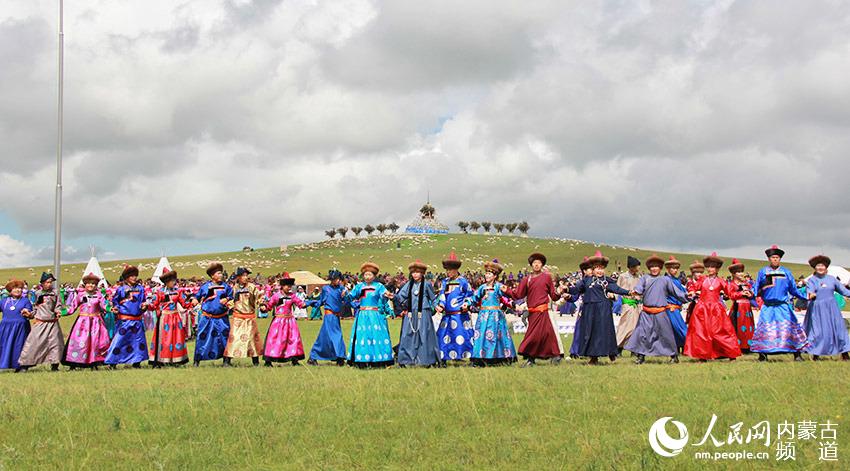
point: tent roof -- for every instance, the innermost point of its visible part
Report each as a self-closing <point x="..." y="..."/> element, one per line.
<point x="307" y="278"/>
<point x="163" y="262"/>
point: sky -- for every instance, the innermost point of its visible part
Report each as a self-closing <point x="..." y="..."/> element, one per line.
<point x="204" y="126"/>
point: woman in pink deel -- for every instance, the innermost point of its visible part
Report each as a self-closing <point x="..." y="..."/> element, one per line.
<point x="88" y="341"/>
<point x="283" y="340"/>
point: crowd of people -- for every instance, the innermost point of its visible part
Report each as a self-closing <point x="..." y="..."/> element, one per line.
<point x="445" y="317"/>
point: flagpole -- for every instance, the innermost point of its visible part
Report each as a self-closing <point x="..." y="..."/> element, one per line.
<point x="57" y="237"/>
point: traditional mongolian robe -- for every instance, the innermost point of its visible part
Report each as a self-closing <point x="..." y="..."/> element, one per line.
<point x="674" y="311"/>
<point x="575" y="346"/>
<point x="88" y="342"/>
<point x="369" y="344"/>
<point x="455" y="332"/>
<point x="168" y="344"/>
<point x="630" y="312"/>
<point x="492" y="342"/>
<point x="654" y="335"/>
<point x="14" y="329"/>
<point x="825" y="328"/>
<point x="244" y="339"/>
<point x="692" y="286"/>
<point x="129" y="344"/>
<point x="418" y="342"/>
<point x="711" y="334"/>
<point x="329" y="345"/>
<point x="45" y="341"/>
<point x="741" y="314"/>
<point x="541" y="338"/>
<point x="597" y="337"/>
<point x="213" y="325"/>
<point x="778" y="330"/>
<point x="283" y="339"/>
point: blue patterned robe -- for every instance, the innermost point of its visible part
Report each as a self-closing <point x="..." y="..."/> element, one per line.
<point x="455" y="332"/>
<point x="492" y="341"/>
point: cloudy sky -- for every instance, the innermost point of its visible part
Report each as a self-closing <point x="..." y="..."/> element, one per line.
<point x="199" y="126"/>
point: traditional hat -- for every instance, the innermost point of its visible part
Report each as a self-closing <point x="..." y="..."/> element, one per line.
<point x="334" y="274"/>
<point x="597" y="259"/>
<point x="91" y="278"/>
<point x="632" y="262"/>
<point x="451" y="263"/>
<point x="493" y="267"/>
<point x="697" y="266"/>
<point x="584" y="265"/>
<point x="417" y="265"/>
<point x="370" y="266"/>
<point x="12" y="284"/>
<point x="536" y="256"/>
<point x="286" y="280"/>
<point x="713" y="260"/>
<point x="774" y="250"/>
<point x="241" y="271"/>
<point x="47" y="276"/>
<point x="167" y="275"/>
<point x="129" y="270"/>
<point x="214" y="267"/>
<point x="736" y="266"/>
<point x="654" y="261"/>
<point x="819" y="259"/>
<point x="672" y="263"/>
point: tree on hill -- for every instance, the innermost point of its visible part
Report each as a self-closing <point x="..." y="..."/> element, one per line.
<point x="342" y="231"/>
<point x="523" y="227"/>
<point x="474" y="225"/>
<point x="463" y="225"/>
<point x="357" y="230"/>
<point x="486" y="225"/>
<point x="511" y="227"/>
<point x="499" y="227"/>
<point x="369" y="229"/>
<point x="381" y="228"/>
<point x="331" y="233"/>
<point x="393" y="227"/>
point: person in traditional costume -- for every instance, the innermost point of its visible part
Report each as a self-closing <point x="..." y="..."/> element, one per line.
<point x="541" y="338"/>
<point x="129" y="345"/>
<point x="329" y="344"/>
<point x="654" y="335"/>
<point x="214" y="296"/>
<point x="492" y="343"/>
<point x="418" y="342"/>
<point x="455" y="332"/>
<point x="88" y="342"/>
<point x="369" y="344"/>
<point x="168" y="345"/>
<point x="586" y="270"/>
<point x="313" y="303"/>
<point x="741" y="312"/>
<point x="283" y="339"/>
<point x="597" y="337"/>
<point x="45" y="341"/>
<point x="711" y="334"/>
<point x="15" y="326"/>
<point x="244" y="340"/>
<point x="630" y="312"/>
<point x="674" y="305"/>
<point x="825" y="328"/>
<point x="777" y="330"/>
<point x="692" y="286"/>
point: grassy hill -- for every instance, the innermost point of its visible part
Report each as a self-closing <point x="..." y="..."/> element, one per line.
<point x="391" y="252"/>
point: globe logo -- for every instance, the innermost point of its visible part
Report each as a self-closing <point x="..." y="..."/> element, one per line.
<point x="662" y="443"/>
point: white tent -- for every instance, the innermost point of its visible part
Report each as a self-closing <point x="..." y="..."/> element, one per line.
<point x="839" y="272"/>
<point x="160" y="267"/>
<point x="93" y="267"/>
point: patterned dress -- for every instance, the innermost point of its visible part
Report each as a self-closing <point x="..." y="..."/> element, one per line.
<point x="778" y="330"/>
<point x="244" y="339"/>
<point x="88" y="342"/>
<point x="129" y="344"/>
<point x="213" y="325"/>
<point x="741" y="314"/>
<point x="369" y="344"/>
<point x="455" y="332"/>
<point x="492" y="341"/>
<point x="283" y="340"/>
<point x="45" y="342"/>
<point x="168" y="345"/>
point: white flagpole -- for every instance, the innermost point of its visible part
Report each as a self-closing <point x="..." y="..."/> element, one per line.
<point x="57" y="238"/>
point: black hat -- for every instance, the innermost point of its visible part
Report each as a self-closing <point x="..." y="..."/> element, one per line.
<point x="241" y="271"/>
<point x="129" y="270"/>
<point x="47" y="276"/>
<point x="632" y="262"/>
<point x="452" y="262"/>
<point x="334" y="274"/>
<point x="774" y="250"/>
<point x="214" y="267"/>
<point x="167" y="275"/>
<point x="819" y="259"/>
<point x="537" y="256"/>
<point x="286" y="280"/>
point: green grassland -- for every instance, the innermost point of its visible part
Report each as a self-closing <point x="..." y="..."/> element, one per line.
<point x="392" y="253"/>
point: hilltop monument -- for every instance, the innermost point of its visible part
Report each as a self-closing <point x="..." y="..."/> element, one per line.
<point x="427" y="222"/>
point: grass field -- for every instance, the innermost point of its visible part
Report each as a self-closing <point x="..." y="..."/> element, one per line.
<point x="566" y="417"/>
<point x="392" y="253"/>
